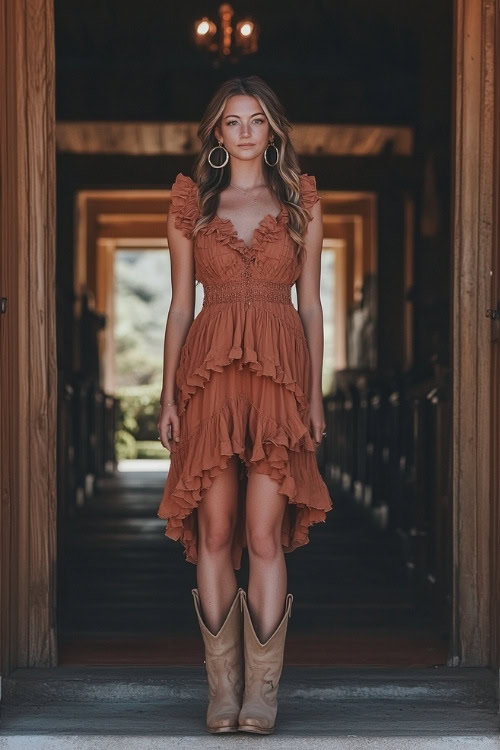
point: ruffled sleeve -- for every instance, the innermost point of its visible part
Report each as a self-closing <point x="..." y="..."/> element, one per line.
<point x="184" y="204"/>
<point x="308" y="191"/>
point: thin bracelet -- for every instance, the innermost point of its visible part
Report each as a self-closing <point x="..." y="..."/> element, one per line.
<point x="168" y="403"/>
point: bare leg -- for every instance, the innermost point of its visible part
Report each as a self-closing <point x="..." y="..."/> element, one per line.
<point x="267" y="585"/>
<point x="216" y="579"/>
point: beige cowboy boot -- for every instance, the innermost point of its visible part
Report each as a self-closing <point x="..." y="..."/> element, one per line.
<point x="263" y="666"/>
<point x="225" y="667"/>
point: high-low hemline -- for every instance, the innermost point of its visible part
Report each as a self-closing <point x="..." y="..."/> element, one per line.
<point x="198" y="460"/>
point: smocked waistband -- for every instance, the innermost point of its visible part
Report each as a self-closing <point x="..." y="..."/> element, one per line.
<point x="247" y="291"/>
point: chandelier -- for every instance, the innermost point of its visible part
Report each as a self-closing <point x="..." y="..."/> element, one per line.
<point x="226" y="42"/>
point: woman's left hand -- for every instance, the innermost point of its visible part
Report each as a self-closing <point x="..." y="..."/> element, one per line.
<point x="317" y="421"/>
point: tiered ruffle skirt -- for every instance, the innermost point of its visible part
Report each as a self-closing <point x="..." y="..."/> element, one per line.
<point x="242" y="380"/>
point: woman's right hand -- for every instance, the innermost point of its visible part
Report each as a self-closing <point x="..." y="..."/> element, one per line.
<point x="168" y="426"/>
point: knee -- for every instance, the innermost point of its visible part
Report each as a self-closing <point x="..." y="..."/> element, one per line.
<point x="217" y="537"/>
<point x="263" y="544"/>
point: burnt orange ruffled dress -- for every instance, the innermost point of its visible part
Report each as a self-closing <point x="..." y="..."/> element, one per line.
<point x="243" y="378"/>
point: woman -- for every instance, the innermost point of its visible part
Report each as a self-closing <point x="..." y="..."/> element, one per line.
<point x="242" y="411"/>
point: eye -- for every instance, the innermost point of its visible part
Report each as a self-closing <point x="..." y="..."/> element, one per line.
<point x="257" y="119"/>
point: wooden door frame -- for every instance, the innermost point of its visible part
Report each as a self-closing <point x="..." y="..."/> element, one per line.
<point x="28" y="377"/>
<point x="495" y="376"/>
<point x="475" y="507"/>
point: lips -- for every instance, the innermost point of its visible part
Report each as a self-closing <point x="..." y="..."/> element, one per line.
<point x="245" y="145"/>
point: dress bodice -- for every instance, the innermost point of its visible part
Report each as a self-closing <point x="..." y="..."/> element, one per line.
<point x="221" y="256"/>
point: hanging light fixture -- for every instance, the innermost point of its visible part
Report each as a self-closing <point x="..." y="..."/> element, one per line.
<point x="224" y="41"/>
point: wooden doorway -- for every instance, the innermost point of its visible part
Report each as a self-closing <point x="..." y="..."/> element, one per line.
<point x="28" y="377"/>
<point x="475" y="222"/>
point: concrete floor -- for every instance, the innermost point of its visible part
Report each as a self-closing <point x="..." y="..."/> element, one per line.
<point x="318" y="708"/>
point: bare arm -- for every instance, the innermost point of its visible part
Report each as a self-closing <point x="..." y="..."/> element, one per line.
<point x="179" y="320"/>
<point x="311" y="314"/>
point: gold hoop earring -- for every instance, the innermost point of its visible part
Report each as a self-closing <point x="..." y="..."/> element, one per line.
<point x="277" y="154"/>
<point x="218" y="166"/>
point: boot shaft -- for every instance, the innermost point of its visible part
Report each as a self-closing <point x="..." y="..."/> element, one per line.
<point x="264" y="660"/>
<point x="224" y="663"/>
<point x="230" y="632"/>
<point x="263" y="667"/>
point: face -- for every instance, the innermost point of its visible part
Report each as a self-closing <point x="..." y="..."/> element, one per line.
<point x="244" y="122"/>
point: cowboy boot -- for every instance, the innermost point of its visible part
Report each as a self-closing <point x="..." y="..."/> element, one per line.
<point x="224" y="666"/>
<point x="263" y="666"/>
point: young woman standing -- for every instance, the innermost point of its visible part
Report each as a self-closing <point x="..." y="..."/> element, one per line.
<point x="242" y="398"/>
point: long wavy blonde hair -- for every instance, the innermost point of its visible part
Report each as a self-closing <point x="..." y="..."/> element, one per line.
<point x="283" y="178"/>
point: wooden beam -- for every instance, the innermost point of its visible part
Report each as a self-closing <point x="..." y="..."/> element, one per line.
<point x="180" y="139"/>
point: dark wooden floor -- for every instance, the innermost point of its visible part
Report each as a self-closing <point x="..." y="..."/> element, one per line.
<point x="124" y="594"/>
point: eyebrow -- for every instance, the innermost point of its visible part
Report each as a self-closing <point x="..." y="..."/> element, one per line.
<point x="255" y="113"/>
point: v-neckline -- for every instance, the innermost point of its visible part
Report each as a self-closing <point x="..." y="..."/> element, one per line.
<point x="252" y="241"/>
